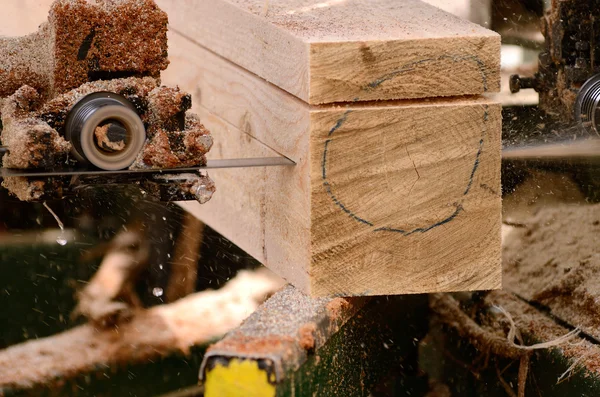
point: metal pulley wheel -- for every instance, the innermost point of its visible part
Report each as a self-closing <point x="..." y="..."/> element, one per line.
<point x="587" y="105"/>
<point x="105" y="131"/>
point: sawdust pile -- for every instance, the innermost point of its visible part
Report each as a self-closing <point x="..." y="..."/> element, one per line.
<point x="33" y="129"/>
<point x="86" y="40"/>
<point x="554" y="260"/>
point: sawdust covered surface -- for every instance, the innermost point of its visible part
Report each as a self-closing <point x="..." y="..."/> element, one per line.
<point x="256" y="346"/>
<point x="358" y="20"/>
<point x="554" y="260"/>
<point x="307" y="336"/>
<point x="116" y="36"/>
<point x="25" y="60"/>
<point x="32" y="142"/>
<point x="337" y="307"/>
<point x="290" y="322"/>
<point x="136" y="90"/>
<point x="83" y="41"/>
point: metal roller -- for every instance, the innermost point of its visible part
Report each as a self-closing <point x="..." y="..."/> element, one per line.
<point x="587" y="109"/>
<point x="105" y="131"/>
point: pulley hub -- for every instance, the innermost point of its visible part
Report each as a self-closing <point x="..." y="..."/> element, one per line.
<point x="105" y="131"/>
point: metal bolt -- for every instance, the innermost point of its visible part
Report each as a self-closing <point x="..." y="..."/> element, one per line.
<point x="203" y="195"/>
<point x="545" y="59"/>
<point x="516" y="83"/>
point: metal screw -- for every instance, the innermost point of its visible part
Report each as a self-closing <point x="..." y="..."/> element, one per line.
<point x="516" y="83"/>
<point x="203" y="195"/>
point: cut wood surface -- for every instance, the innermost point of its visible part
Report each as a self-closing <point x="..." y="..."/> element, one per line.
<point x="386" y="197"/>
<point x="416" y="211"/>
<point x="346" y="50"/>
<point x="158" y="332"/>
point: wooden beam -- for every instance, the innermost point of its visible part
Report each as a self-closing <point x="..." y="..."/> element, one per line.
<point x="386" y="197"/>
<point x="346" y="50"/>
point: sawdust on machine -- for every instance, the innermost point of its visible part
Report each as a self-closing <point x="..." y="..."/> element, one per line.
<point x="306" y="334"/>
<point x="290" y="326"/>
<point x="97" y="48"/>
<point x="32" y="129"/>
<point x="103" y="139"/>
<point x="83" y="39"/>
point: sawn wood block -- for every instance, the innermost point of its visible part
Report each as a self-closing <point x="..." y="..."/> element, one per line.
<point x="387" y="197"/>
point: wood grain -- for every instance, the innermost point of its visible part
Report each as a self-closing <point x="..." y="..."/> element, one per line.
<point x="255" y="208"/>
<point x="386" y="198"/>
<point x="342" y="51"/>
<point x="406" y="198"/>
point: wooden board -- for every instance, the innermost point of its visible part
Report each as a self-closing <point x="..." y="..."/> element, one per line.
<point x="386" y="197"/>
<point x="346" y="50"/>
<point x="252" y="202"/>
